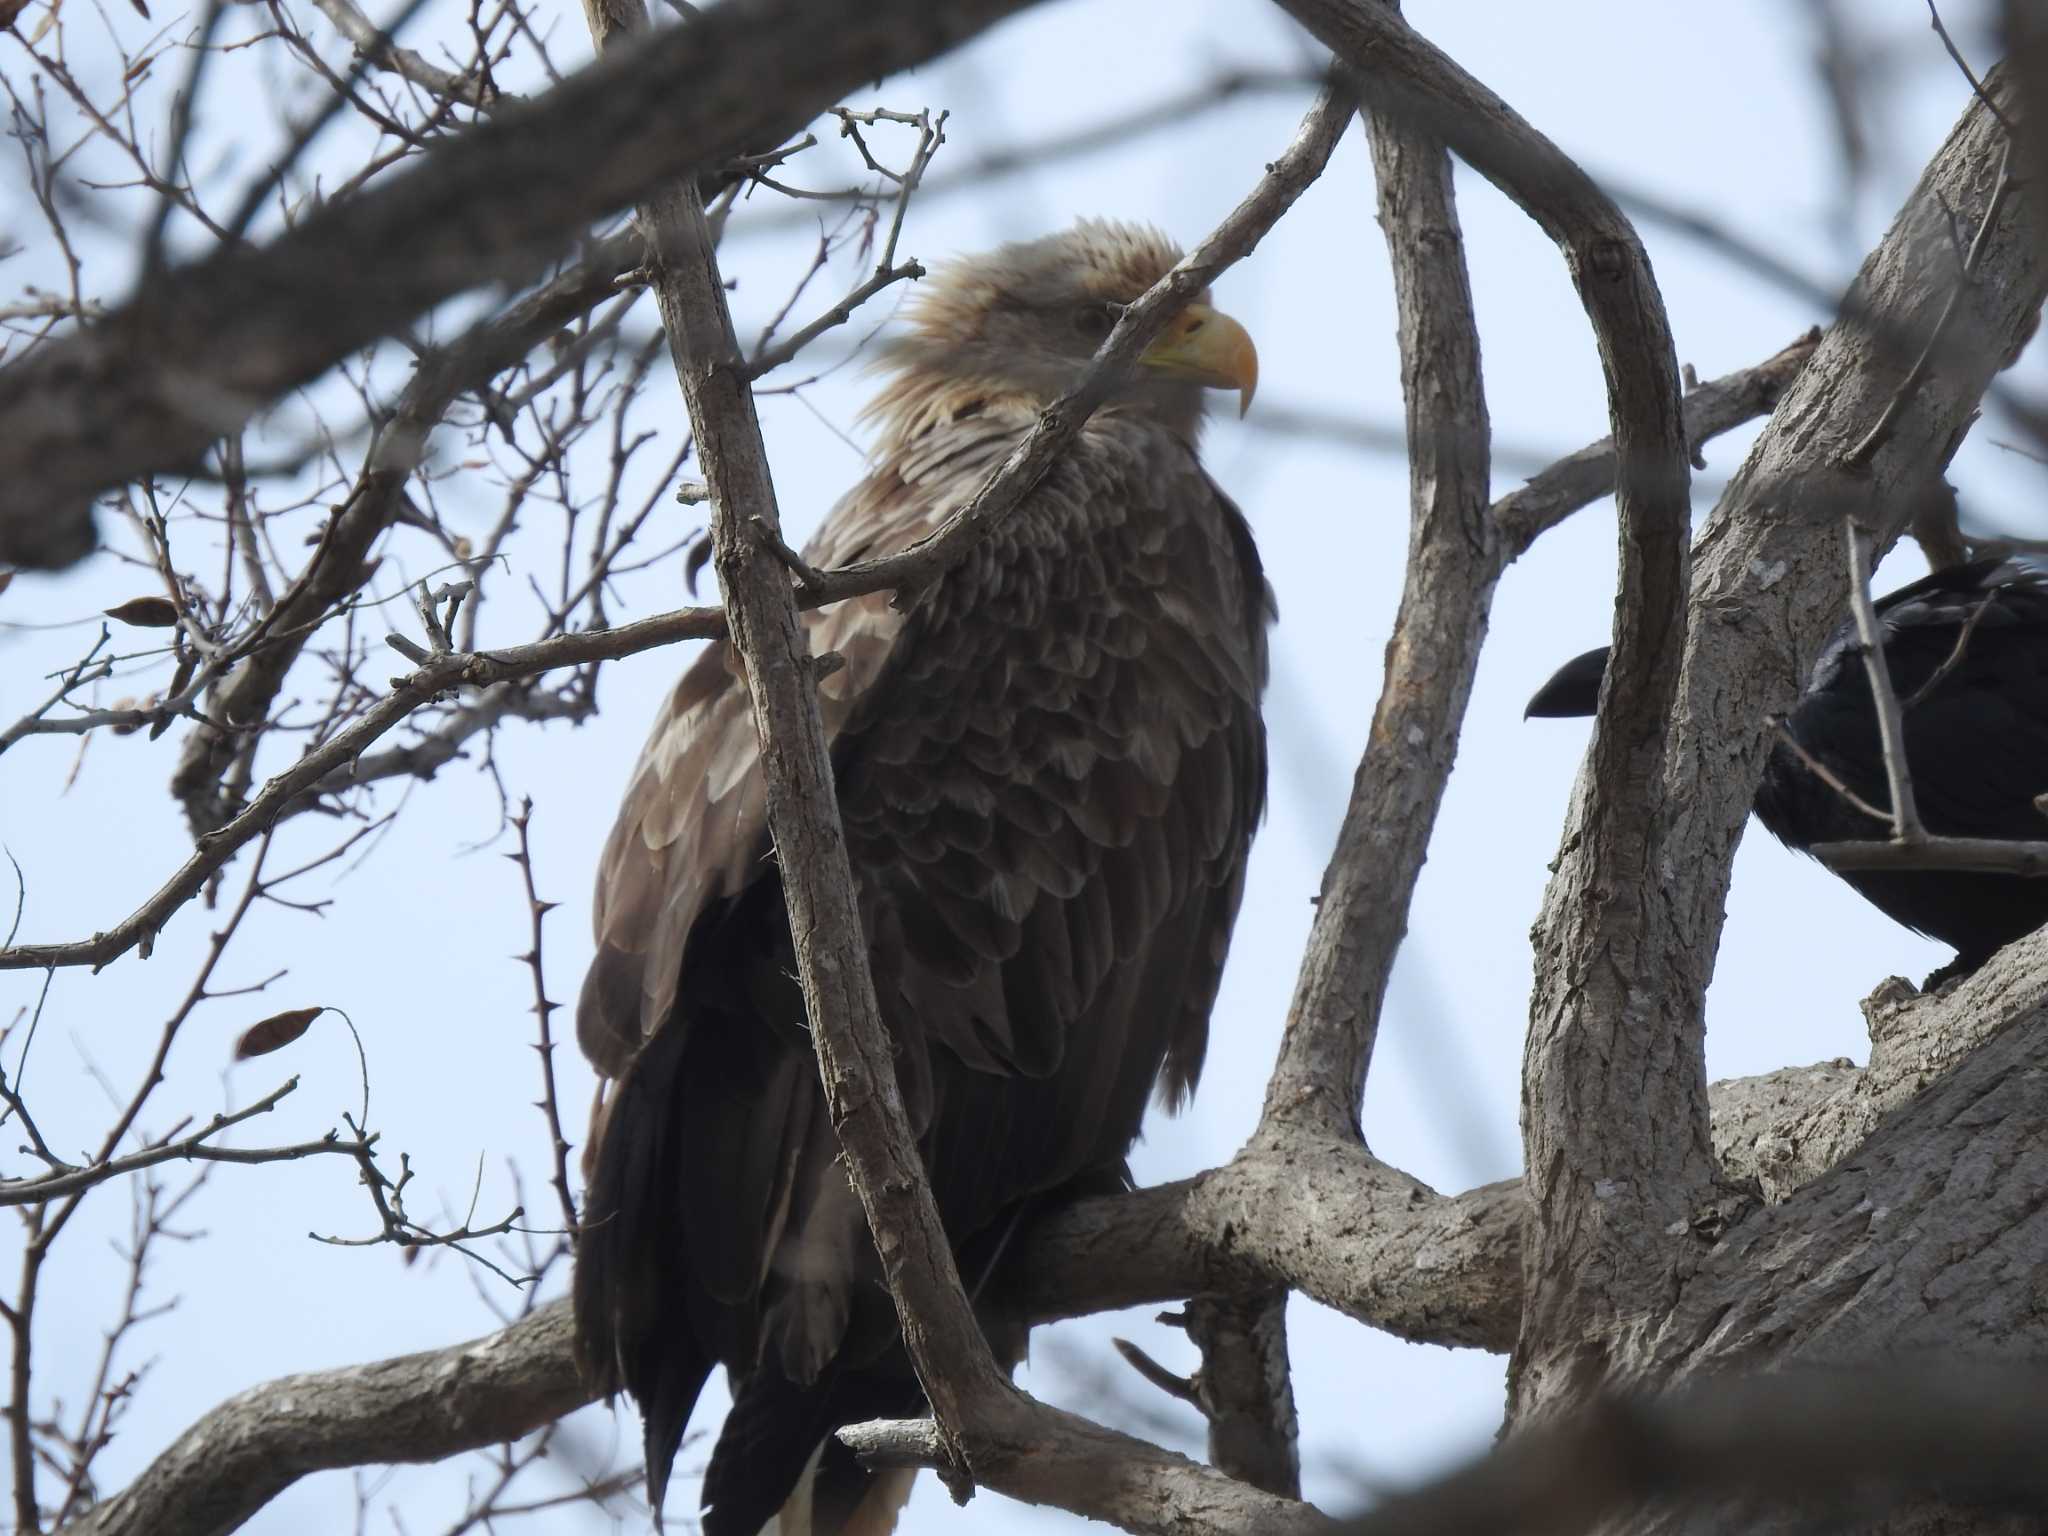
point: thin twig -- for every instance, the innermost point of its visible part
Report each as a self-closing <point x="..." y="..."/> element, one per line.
<point x="1170" y="1382"/>
<point x="1825" y="774"/>
<point x="1976" y="85"/>
<point x="882" y="277"/>
<point x="196" y="1148"/>
<point x="1891" y="726"/>
<point x="543" y="1010"/>
<point x="1956" y="652"/>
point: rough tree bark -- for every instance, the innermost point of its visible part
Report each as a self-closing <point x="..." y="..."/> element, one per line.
<point x="1769" y="585"/>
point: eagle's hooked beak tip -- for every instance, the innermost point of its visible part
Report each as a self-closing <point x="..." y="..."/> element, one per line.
<point x="1208" y="347"/>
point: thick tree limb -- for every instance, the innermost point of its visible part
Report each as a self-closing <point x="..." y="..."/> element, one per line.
<point x="200" y="350"/>
<point x="1453" y="563"/>
<point x="413" y="1408"/>
<point x="1382" y="1249"/>
<point x="1769" y="587"/>
<point x="1789" y="1127"/>
<point x="1318" y="1215"/>
<point x="1598" y="960"/>
<point x="1928" y="1244"/>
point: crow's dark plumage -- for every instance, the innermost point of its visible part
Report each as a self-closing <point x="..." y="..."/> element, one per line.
<point x="1049" y="771"/>
<point x="1976" y="744"/>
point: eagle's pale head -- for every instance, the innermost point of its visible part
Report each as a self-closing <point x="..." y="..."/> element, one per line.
<point x="1016" y="326"/>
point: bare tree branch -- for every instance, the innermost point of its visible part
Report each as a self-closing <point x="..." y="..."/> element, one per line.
<point x="885" y="276"/>
<point x="1593" y="956"/>
<point x="1416" y="1264"/>
<point x="1719" y="406"/>
<point x="198" y="1147"/>
<point x="1362" y="911"/>
<point x="945" y="1342"/>
<point x="373" y="43"/>
<point x="1219" y="1231"/>
<point x="285" y="792"/>
<point x="413" y="1408"/>
<point x="337" y="567"/>
<point x="1768" y="589"/>
<point x="201" y="349"/>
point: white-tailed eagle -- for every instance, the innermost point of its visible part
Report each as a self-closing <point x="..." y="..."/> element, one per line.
<point x="1049" y="770"/>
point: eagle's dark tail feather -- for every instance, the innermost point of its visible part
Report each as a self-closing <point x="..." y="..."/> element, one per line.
<point x="775" y="1428"/>
<point x="633" y="1324"/>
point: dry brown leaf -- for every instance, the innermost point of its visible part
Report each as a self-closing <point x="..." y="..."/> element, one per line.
<point x="146" y="612"/>
<point x="275" y="1032"/>
<point x="6" y="577"/>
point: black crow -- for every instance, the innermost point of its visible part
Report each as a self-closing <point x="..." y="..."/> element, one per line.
<point x="1968" y="653"/>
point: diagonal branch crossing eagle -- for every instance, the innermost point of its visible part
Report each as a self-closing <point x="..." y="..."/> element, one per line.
<point x="1049" y="771"/>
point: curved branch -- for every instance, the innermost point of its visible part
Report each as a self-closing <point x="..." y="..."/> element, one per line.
<point x="1454" y="560"/>
<point x="1600" y="961"/>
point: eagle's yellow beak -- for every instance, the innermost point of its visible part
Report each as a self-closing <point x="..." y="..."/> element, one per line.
<point x="1209" y="347"/>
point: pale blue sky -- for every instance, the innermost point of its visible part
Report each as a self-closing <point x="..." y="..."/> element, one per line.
<point x="1712" y="107"/>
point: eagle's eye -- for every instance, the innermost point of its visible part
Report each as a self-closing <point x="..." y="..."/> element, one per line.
<point x="1095" y="321"/>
